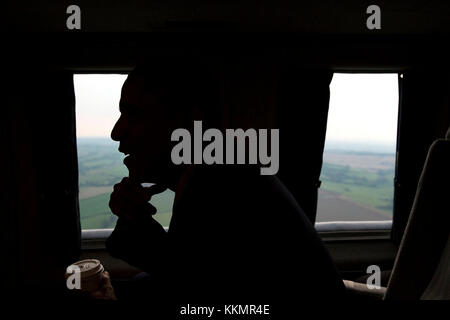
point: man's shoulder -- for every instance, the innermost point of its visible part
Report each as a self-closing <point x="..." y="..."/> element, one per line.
<point x="238" y="189"/>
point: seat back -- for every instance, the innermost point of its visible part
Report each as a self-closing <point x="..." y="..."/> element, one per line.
<point x="424" y="246"/>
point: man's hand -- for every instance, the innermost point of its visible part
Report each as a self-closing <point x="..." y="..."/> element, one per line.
<point x="106" y="290"/>
<point x="130" y="200"/>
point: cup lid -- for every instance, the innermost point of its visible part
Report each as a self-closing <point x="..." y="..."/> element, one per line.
<point x="89" y="267"/>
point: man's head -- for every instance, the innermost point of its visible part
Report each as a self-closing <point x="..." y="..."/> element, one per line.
<point x="156" y="99"/>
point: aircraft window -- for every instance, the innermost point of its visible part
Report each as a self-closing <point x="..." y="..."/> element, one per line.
<point x="359" y="157"/>
<point x="100" y="164"/>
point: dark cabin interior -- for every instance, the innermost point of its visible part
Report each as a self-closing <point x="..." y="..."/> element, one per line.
<point x="283" y="53"/>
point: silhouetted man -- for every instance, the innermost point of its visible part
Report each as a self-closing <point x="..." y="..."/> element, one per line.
<point x="235" y="235"/>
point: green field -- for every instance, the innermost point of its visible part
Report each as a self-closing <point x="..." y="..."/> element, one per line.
<point x="368" y="180"/>
<point x="369" y="187"/>
<point x="101" y="166"/>
<point x="95" y="213"/>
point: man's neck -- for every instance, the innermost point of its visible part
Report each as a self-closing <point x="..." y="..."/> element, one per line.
<point x="178" y="176"/>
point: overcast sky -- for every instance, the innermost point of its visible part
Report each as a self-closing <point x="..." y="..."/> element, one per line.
<point x="97" y="103"/>
<point x="363" y="107"/>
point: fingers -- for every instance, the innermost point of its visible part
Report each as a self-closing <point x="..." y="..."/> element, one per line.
<point x="106" y="279"/>
<point x="132" y="190"/>
<point x="127" y="208"/>
<point x="154" y="189"/>
<point x="129" y="199"/>
<point x="106" y="290"/>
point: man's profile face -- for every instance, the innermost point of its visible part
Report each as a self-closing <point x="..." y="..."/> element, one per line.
<point x="143" y="131"/>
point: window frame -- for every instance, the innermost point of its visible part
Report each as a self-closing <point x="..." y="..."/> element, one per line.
<point x="343" y="230"/>
<point x="356" y="227"/>
<point x="94" y="239"/>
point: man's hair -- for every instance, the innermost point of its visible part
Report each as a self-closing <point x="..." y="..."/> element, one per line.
<point x="184" y="85"/>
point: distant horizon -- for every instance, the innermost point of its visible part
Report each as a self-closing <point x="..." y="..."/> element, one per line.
<point x="330" y="146"/>
<point x="359" y="146"/>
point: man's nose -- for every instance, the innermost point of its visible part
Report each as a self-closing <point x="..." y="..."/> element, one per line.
<point x="119" y="129"/>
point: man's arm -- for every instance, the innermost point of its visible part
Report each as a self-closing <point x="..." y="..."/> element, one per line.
<point x="137" y="239"/>
<point x="141" y="243"/>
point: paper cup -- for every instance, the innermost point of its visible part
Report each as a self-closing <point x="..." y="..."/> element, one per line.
<point x="90" y="274"/>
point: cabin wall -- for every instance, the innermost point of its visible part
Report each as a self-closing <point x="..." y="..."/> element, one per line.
<point x="309" y="17"/>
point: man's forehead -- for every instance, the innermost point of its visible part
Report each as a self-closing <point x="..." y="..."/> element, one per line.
<point x="132" y="88"/>
<point x="135" y="94"/>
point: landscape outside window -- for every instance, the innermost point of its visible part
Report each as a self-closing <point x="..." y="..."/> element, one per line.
<point x="100" y="164"/>
<point x="359" y="157"/>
